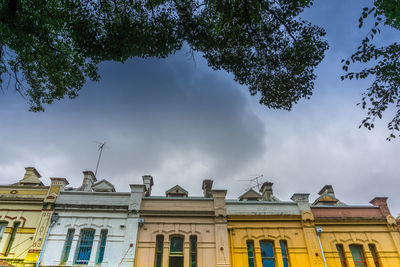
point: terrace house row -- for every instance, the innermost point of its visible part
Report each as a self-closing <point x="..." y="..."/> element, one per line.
<point x="93" y="225"/>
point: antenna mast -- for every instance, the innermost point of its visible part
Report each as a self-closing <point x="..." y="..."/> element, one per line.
<point x="259" y="184"/>
<point x="256" y="180"/>
<point x="101" y="146"/>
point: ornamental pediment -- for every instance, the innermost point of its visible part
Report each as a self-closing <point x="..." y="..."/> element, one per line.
<point x="103" y="186"/>
<point x="176" y="191"/>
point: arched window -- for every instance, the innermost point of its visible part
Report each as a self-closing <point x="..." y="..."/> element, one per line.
<point x="84" y="246"/>
<point x="67" y="246"/>
<point x="159" y="250"/>
<point x="358" y="256"/>
<point x="285" y="255"/>
<point x="176" y="252"/>
<point x="12" y="237"/>
<point x="340" y="251"/>
<point x="3" y="226"/>
<point x="193" y="251"/>
<point x="102" y="246"/>
<point x="372" y="248"/>
<point x="267" y="253"/>
<point x="250" y="252"/>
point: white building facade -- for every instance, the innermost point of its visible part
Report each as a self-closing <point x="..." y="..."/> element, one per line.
<point x="95" y="226"/>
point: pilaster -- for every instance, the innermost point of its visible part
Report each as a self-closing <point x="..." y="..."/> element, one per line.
<point x="221" y="230"/>
<point x="308" y="225"/>
<point x="394" y="231"/>
<point x="57" y="184"/>
<point x="132" y="224"/>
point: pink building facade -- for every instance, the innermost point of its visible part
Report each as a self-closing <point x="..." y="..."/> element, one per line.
<point x="182" y="231"/>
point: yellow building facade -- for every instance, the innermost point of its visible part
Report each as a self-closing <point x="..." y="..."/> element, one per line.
<point x="26" y="209"/>
<point x="356" y="236"/>
<point x="265" y="232"/>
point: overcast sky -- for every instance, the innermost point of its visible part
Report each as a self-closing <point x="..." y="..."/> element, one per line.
<point x="181" y="122"/>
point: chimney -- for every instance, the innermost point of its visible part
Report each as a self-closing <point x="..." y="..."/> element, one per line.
<point x="266" y="191"/>
<point x="302" y="200"/>
<point x="381" y="202"/>
<point x="148" y="182"/>
<point x="31" y="171"/>
<point x="31" y="177"/>
<point x="207" y="187"/>
<point x="88" y="180"/>
<point x="137" y="191"/>
<point x="61" y="182"/>
<point x="57" y="185"/>
<point x="327" y="189"/>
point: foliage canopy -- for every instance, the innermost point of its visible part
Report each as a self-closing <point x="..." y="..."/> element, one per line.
<point x="49" y="48"/>
<point x="383" y="65"/>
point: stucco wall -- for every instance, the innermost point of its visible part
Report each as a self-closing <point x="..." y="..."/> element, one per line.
<point x="184" y="217"/>
<point x="121" y="232"/>
<point x="262" y="220"/>
<point x="235" y="207"/>
<point x="28" y="216"/>
<point x="359" y="225"/>
<point x="363" y="233"/>
<point x="79" y="210"/>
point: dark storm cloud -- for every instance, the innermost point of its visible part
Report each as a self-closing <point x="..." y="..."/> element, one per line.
<point x="168" y="118"/>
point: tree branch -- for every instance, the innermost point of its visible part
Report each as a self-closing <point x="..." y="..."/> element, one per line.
<point x="276" y="16"/>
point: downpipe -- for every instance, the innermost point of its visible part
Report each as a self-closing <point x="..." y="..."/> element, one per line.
<point x="318" y="229"/>
<point x="54" y="219"/>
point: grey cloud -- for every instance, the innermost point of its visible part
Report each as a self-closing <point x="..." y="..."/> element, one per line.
<point x="163" y="117"/>
<point x="183" y="122"/>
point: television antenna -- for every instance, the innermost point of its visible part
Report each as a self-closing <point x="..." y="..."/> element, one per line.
<point x="255" y="182"/>
<point x="101" y="147"/>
